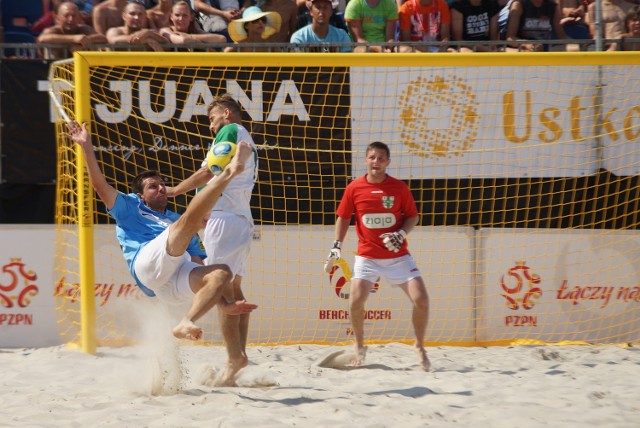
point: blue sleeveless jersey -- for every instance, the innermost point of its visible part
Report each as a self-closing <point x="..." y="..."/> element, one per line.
<point x="137" y="224"/>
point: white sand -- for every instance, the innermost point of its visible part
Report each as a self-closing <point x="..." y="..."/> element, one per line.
<point x="523" y="386"/>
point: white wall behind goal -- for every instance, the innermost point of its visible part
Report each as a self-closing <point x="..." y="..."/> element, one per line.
<point x="487" y="285"/>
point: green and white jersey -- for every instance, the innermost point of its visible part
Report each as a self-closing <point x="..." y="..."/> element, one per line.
<point x="236" y="197"/>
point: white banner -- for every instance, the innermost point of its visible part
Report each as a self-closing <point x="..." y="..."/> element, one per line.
<point x="619" y="121"/>
<point x="302" y="303"/>
<point x="559" y="285"/>
<point x="27" y="307"/>
<point x="444" y="122"/>
<point x="490" y="285"/>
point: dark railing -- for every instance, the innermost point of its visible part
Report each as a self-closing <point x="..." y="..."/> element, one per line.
<point x="43" y="51"/>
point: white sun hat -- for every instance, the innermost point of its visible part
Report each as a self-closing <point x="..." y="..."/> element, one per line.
<point x="236" y="27"/>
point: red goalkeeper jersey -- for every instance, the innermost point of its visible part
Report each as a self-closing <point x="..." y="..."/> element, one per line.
<point x="379" y="208"/>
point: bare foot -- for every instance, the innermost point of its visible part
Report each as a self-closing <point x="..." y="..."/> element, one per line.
<point x="186" y="329"/>
<point x="226" y="377"/>
<point x="358" y="358"/>
<point x="243" y="152"/>
<point x="423" y="359"/>
<point x="238" y="307"/>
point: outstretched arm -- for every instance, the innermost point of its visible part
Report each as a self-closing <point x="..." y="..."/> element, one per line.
<point x="195" y="180"/>
<point x="80" y="135"/>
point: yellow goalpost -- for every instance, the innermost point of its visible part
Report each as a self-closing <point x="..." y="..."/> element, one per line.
<point x="525" y="169"/>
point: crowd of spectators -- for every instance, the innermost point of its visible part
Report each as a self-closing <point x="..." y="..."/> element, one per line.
<point x="333" y="25"/>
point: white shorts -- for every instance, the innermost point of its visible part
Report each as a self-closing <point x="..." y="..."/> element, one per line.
<point x="165" y="275"/>
<point x="397" y="271"/>
<point x="227" y="240"/>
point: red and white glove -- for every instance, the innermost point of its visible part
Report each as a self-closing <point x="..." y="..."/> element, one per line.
<point x="393" y="240"/>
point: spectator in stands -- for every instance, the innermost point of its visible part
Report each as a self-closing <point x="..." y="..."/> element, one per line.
<point x="426" y="21"/>
<point x="320" y="32"/>
<point x="337" y="17"/>
<point x="49" y="7"/>
<point x="475" y="21"/>
<point x="86" y="9"/>
<point x="185" y="30"/>
<point x="216" y="20"/>
<point x="108" y="14"/>
<point x="133" y="31"/>
<point x="632" y="26"/>
<point x="372" y="21"/>
<point x="255" y="27"/>
<point x="573" y="19"/>
<point x="288" y="11"/>
<point x="159" y="16"/>
<point x="537" y="21"/>
<point x="614" y="13"/>
<point x="70" y="31"/>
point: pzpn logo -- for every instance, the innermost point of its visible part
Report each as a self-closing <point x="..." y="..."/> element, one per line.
<point x="16" y="284"/>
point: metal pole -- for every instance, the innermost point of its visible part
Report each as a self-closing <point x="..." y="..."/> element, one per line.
<point x="599" y="27"/>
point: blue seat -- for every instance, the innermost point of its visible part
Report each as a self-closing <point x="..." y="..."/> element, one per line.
<point x="19" y="15"/>
<point x="20" y="51"/>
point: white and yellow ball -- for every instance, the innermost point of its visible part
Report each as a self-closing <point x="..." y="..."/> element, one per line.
<point x="220" y="155"/>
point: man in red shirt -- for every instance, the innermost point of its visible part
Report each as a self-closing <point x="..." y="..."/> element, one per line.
<point x="385" y="213"/>
<point x="424" y="21"/>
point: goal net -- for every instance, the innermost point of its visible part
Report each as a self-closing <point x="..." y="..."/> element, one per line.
<point x="524" y="169"/>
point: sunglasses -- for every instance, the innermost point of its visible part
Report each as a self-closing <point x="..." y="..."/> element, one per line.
<point x="263" y="20"/>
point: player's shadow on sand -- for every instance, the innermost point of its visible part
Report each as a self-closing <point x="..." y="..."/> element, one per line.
<point x="341" y="360"/>
<point x="417" y="392"/>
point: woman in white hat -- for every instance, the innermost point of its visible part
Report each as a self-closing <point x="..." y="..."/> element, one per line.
<point x="255" y="26"/>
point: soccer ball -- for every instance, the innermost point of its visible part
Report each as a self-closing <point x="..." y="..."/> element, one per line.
<point x="220" y="155"/>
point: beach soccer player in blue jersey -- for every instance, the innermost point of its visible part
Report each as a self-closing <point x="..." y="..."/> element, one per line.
<point x="161" y="247"/>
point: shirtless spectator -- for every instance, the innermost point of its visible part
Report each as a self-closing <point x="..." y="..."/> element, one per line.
<point x="69" y="31"/>
<point x="133" y="31"/>
<point x="159" y="16"/>
<point x="108" y="14"/>
<point x="613" y="16"/>
<point x="184" y="29"/>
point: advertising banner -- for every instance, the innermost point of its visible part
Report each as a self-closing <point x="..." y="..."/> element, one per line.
<point x="27" y="307"/>
<point x="446" y="122"/>
<point x="559" y="285"/>
<point x="619" y="121"/>
<point x="321" y="308"/>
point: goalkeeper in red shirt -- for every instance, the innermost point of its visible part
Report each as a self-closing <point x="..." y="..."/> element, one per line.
<point x="385" y="213"/>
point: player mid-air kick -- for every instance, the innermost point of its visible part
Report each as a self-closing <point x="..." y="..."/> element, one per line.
<point x="161" y="247"/>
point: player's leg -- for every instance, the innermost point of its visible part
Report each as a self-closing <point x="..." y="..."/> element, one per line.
<point x="207" y="284"/>
<point x="191" y="220"/>
<point x="417" y="292"/>
<point x="205" y="287"/>
<point x="234" y="330"/>
<point x="243" y="324"/>
<point x="358" y="294"/>
<point x="227" y="240"/>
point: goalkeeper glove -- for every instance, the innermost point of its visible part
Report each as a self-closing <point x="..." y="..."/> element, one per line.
<point x="334" y="255"/>
<point x="393" y="240"/>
